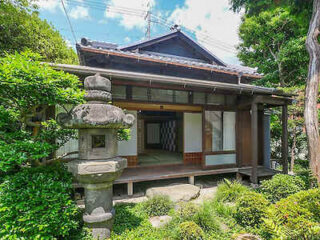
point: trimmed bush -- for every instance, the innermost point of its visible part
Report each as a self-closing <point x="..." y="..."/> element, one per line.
<point x="295" y="217"/>
<point x="186" y="211"/>
<point x="206" y="218"/>
<point x="36" y="203"/>
<point x="158" y="206"/>
<point x="230" y="191"/>
<point x="190" y="231"/>
<point x="281" y="186"/>
<point x="250" y="209"/>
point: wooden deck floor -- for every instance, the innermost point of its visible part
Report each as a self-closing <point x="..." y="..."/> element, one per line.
<point x="141" y="174"/>
<point x="262" y="171"/>
<point x="148" y="173"/>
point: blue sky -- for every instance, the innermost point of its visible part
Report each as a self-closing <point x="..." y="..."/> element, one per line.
<point x="209" y="22"/>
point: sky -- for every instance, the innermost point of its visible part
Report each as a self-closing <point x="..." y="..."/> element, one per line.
<point x="209" y="22"/>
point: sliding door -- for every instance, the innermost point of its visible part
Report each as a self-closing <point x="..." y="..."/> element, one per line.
<point x="219" y="138"/>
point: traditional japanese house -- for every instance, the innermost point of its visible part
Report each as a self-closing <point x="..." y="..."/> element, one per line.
<point x="195" y="114"/>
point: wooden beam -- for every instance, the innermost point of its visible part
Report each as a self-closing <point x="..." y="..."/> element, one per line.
<point x="254" y="140"/>
<point x="271" y="100"/>
<point x="157" y="107"/>
<point x="284" y="139"/>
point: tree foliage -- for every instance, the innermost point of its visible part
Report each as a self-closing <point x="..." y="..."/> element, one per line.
<point x="35" y="203"/>
<point x="21" y="28"/>
<point x="273" y="41"/>
<point x="28" y="90"/>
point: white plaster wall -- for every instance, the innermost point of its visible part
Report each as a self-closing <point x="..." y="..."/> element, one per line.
<point x="192" y="132"/>
<point x="129" y="148"/>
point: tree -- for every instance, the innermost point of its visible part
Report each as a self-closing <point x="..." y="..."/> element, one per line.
<point x="301" y="10"/>
<point x="273" y="41"/>
<point x="312" y="90"/>
<point x="21" y="29"/>
<point x="28" y="136"/>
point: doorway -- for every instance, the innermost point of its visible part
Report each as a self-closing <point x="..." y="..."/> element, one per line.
<point x="160" y="138"/>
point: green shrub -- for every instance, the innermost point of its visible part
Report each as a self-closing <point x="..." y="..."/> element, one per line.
<point x="295" y="217"/>
<point x="186" y="211"/>
<point x="190" y="231"/>
<point x="281" y="186"/>
<point x="250" y="209"/>
<point x="158" y="206"/>
<point x="229" y="191"/>
<point x="206" y="218"/>
<point x="36" y="203"/>
<point x="306" y="175"/>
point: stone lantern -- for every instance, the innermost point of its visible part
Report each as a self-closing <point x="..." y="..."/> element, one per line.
<point x="98" y="165"/>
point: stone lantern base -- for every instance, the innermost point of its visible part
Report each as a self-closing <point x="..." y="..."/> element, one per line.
<point x="97" y="177"/>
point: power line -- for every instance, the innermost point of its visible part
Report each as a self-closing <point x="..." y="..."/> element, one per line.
<point x="65" y="11"/>
<point x="208" y="40"/>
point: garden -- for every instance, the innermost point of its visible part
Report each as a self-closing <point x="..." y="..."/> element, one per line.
<point x="37" y="197"/>
<point x="284" y="207"/>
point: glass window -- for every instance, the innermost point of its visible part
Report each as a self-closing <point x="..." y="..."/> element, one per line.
<point x="182" y="96"/>
<point x="220" y="134"/>
<point x="215" y="99"/>
<point x="118" y="92"/>
<point x="229" y="131"/>
<point x="161" y="95"/>
<point x="139" y="93"/>
<point x="231" y="100"/>
<point x="213" y="131"/>
<point x="199" y="98"/>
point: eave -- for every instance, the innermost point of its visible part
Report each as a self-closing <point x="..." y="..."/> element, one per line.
<point x="170" y="80"/>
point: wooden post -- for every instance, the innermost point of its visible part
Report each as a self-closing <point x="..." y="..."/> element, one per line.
<point x="130" y="188"/>
<point x="191" y="180"/>
<point x="254" y="141"/>
<point x="284" y="139"/>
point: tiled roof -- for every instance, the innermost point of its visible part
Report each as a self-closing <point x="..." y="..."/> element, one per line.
<point x="175" y="60"/>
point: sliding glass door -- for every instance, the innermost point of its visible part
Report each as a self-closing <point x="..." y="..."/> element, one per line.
<point x="219" y="138"/>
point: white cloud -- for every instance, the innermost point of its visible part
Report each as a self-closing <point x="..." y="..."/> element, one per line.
<point x="76" y="12"/>
<point x="50" y="5"/>
<point x="79" y="12"/>
<point x="131" y="13"/>
<point x="216" y="27"/>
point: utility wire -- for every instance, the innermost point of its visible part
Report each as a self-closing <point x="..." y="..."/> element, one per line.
<point x="65" y="11"/>
<point x="203" y="38"/>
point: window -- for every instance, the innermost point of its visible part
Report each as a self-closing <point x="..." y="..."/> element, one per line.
<point x="182" y="96"/>
<point x="219" y="131"/>
<point x="119" y="92"/>
<point x="215" y="99"/>
<point x="139" y="93"/>
<point x="199" y="98"/>
<point x="161" y="95"/>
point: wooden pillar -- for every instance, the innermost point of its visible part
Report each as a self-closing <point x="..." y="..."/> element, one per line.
<point x="130" y="188"/>
<point x="254" y="141"/>
<point x="284" y="139"/>
<point x="191" y="180"/>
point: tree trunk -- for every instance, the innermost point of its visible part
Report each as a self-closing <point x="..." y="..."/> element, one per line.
<point x="312" y="89"/>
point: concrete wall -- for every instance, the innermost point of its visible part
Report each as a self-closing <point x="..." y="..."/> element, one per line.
<point x="192" y="132"/>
